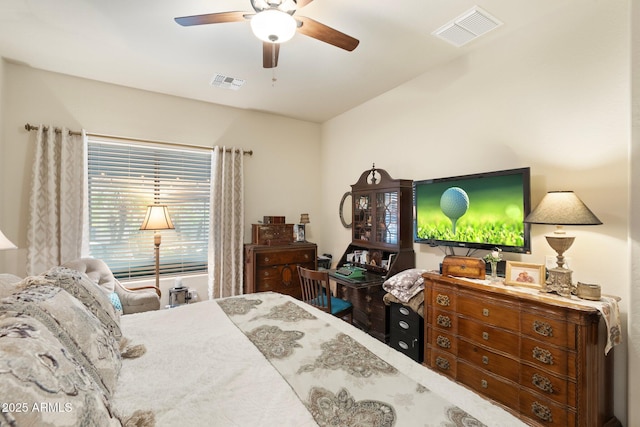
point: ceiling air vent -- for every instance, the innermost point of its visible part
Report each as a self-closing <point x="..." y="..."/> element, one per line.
<point x="467" y="27"/>
<point x="226" y="82"/>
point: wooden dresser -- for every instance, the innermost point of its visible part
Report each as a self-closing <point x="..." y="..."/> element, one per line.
<point x="540" y="356"/>
<point x="275" y="268"/>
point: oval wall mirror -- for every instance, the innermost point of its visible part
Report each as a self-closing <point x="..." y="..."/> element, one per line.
<point x="346" y="210"/>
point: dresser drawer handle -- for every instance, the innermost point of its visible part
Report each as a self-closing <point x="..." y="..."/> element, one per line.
<point x="403" y="345"/>
<point x="485" y="360"/>
<point x="444" y="321"/>
<point x="306" y="256"/>
<point x="404" y="310"/>
<point x="266" y="259"/>
<point x="543" y="355"/>
<point x="484" y="384"/>
<point x="485" y="312"/>
<point x="442" y="363"/>
<point x="403" y="324"/>
<point x="541" y="411"/>
<point x="542" y="328"/>
<point x="443" y="342"/>
<point x="542" y="382"/>
<point x="485" y="336"/>
<point x="443" y="300"/>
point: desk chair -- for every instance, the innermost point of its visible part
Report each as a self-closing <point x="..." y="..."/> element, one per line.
<point x="316" y="292"/>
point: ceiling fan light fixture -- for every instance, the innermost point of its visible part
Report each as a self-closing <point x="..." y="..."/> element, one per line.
<point x="273" y="26"/>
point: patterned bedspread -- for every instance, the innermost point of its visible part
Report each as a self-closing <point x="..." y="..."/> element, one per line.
<point x="339" y="380"/>
<point x="270" y="360"/>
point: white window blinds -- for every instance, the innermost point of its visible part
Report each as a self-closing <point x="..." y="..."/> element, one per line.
<point x="123" y="178"/>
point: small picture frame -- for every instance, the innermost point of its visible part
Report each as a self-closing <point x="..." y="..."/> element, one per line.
<point x="299" y="233"/>
<point x="524" y="274"/>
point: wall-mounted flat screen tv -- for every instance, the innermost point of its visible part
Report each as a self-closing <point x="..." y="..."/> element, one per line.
<point x="480" y="211"/>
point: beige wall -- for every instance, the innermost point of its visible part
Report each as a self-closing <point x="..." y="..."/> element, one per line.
<point x="554" y="96"/>
<point x="283" y="148"/>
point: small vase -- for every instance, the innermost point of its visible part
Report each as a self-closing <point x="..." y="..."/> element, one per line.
<point x="494" y="271"/>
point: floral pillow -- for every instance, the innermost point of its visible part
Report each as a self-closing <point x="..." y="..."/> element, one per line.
<point x="42" y="384"/>
<point x="87" y="339"/>
<point x="406" y="284"/>
<point x="89" y="293"/>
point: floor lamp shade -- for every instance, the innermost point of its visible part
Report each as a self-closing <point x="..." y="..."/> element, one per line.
<point x="157" y="218"/>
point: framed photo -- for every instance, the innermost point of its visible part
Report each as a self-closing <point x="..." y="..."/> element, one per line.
<point x="523" y="274"/>
<point x="298" y="233"/>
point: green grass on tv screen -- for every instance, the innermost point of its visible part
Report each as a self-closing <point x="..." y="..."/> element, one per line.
<point x="494" y="214"/>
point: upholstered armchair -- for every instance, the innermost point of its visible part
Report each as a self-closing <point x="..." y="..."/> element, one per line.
<point x="133" y="300"/>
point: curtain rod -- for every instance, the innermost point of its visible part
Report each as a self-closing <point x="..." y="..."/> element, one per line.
<point x="31" y="127"/>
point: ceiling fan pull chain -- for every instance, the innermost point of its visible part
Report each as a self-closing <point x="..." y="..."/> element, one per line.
<point x="273" y="69"/>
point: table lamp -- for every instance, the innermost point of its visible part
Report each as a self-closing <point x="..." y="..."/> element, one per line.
<point x="6" y="243"/>
<point x="561" y="208"/>
<point x="157" y="218"/>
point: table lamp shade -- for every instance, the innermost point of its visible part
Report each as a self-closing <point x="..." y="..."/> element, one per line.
<point x="304" y="218"/>
<point x="6" y="243"/>
<point x="157" y="218"/>
<point x="562" y="208"/>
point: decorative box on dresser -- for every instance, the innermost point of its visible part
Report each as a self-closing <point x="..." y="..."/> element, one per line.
<point x="275" y="268"/>
<point x="542" y="357"/>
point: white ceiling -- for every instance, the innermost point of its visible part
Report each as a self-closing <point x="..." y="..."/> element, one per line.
<point x="138" y="44"/>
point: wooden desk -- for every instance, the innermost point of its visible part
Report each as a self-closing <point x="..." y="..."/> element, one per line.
<point x="369" y="310"/>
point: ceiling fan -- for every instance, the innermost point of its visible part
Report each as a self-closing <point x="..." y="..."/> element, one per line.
<point x="273" y="23"/>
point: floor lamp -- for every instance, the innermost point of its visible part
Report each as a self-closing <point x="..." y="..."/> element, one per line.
<point x="157" y="218"/>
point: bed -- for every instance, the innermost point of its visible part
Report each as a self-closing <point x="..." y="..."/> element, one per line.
<point x="262" y="359"/>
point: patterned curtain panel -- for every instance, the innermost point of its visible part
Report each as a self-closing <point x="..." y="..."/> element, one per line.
<point x="226" y="235"/>
<point x="57" y="203"/>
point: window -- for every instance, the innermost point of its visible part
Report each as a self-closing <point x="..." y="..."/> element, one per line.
<point x="123" y="178"/>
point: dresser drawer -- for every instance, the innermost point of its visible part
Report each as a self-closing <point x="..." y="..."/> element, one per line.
<point x="492" y="386"/>
<point x="282" y="279"/>
<point x="443" y="341"/>
<point x="286" y="257"/>
<point x="488" y="336"/>
<point x="544" y="411"/>
<point x="490" y="312"/>
<point x="490" y="361"/>
<point x="445" y="363"/>
<point x="547" y="357"/>
<point x="443" y="298"/>
<point x="444" y="320"/>
<point x="548" y="385"/>
<point x="546" y="329"/>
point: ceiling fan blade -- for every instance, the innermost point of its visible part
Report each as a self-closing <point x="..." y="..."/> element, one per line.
<point x="302" y="3"/>
<point x="326" y="34"/>
<point x="270" y="52"/>
<point x="211" y="18"/>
